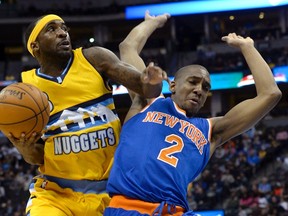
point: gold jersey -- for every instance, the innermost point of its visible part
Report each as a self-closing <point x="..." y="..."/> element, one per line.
<point x="83" y="129"/>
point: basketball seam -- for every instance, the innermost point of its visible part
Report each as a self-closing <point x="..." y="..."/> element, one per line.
<point x="31" y="113"/>
<point x="40" y="93"/>
<point x="35" y="114"/>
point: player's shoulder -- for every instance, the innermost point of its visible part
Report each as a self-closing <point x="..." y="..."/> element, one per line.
<point x="98" y="54"/>
<point x="95" y="50"/>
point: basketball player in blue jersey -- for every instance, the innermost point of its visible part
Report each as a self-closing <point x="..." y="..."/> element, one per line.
<point x="162" y="146"/>
<point x="78" y="145"/>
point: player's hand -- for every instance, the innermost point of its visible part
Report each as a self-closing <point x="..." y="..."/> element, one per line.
<point x="160" y="19"/>
<point x="31" y="151"/>
<point x="237" y="41"/>
<point x="24" y="142"/>
<point x="153" y="75"/>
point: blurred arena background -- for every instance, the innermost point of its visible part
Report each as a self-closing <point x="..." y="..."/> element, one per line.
<point x="248" y="175"/>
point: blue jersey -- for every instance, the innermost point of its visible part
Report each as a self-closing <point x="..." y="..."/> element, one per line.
<point x="160" y="152"/>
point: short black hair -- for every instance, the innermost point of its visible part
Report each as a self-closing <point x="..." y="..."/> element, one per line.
<point x="192" y="67"/>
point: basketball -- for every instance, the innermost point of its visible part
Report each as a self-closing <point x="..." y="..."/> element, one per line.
<point x="23" y="108"/>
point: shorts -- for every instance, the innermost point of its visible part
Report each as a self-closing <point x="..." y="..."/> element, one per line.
<point x="48" y="198"/>
<point x="123" y="206"/>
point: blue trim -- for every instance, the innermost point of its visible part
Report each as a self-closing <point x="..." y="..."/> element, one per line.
<point x="83" y="186"/>
<point x="58" y="79"/>
<point x="105" y="100"/>
<point x="198" y="7"/>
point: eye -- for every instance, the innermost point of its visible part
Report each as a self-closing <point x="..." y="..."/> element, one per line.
<point x="50" y="28"/>
<point x="65" y="28"/>
<point x="206" y="88"/>
<point x="193" y="82"/>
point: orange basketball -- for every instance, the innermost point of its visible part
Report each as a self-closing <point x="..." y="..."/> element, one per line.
<point x="23" y="108"/>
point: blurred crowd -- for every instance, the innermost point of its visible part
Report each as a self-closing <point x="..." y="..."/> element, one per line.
<point x="15" y="178"/>
<point x="246" y="176"/>
<point x="218" y="62"/>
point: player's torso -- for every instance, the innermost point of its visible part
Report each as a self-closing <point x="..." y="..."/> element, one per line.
<point x="83" y="130"/>
<point x="164" y="157"/>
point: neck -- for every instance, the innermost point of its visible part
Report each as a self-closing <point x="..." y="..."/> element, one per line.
<point x="54" y="66"/>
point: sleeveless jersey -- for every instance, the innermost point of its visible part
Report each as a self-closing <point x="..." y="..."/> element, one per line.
<point x="160" y="152"/>
<point x="83" y="129"/>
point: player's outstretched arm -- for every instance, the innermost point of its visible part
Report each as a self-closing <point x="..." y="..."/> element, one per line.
<point x="141" y="80"/>
<point x="247" y="113"/>
<point x="110" y="67"/>
<point x="130" y="49"/>
<point x="134" y="42"/>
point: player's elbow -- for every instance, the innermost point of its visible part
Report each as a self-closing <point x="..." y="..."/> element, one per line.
<point x="127" y="47"/>
<point x="274" y="96"/>
<point x="277" y="95"/>
<point x="123" y="46"/>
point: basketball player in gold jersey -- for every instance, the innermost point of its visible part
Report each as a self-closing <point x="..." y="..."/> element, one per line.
<point x="77" y="148"/>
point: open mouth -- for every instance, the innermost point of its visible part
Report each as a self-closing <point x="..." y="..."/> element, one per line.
<point x="194" y="101"/>
<point x="65" y="44"/>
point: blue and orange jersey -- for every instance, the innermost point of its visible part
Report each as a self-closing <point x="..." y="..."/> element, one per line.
<point x="160" y="152"/>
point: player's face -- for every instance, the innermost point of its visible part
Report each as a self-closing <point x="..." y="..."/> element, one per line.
<point x="190" y="89"/>
<point x="54" y="39"/>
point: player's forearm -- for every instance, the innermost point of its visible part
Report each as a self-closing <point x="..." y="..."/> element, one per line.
<point x="152" y="91"/>
<point x="138" y="36"/>
<point x="33" y="155"/>
<point x="132" y="79"/>
<point x="262" y="74"/>
<point x="146" y="90"/>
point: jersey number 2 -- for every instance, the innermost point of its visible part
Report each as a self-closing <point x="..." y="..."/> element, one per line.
<point x="166" y="154"/>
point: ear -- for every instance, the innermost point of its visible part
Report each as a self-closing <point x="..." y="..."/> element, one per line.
<point x="34" y="45"/>
<point x="172" y="87"/>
